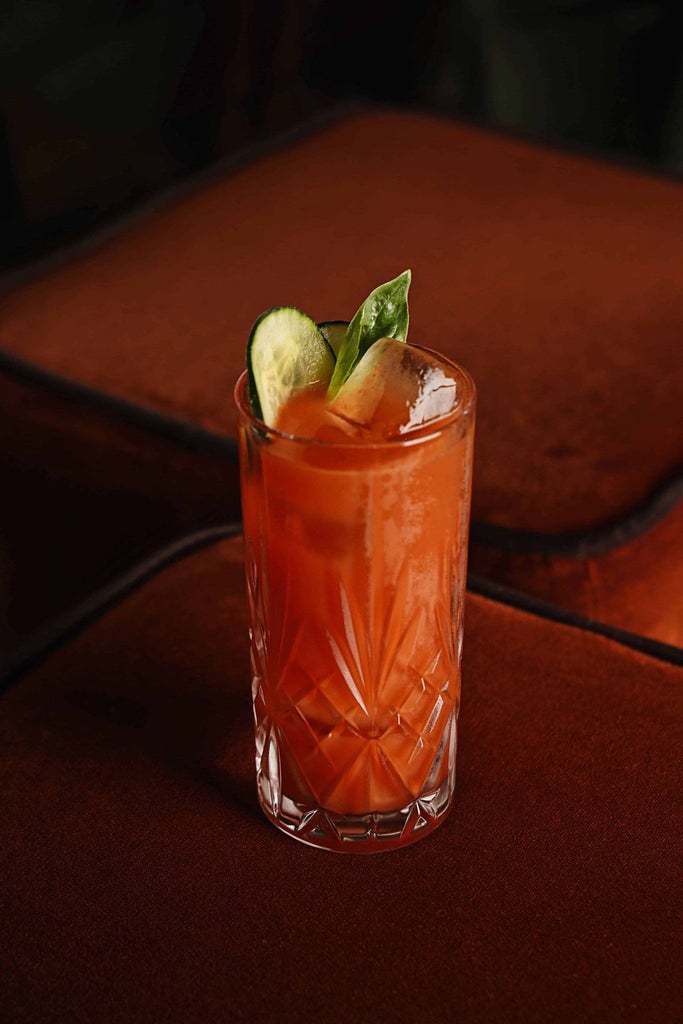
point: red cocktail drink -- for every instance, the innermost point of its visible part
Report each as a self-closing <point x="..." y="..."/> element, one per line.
<point x="355" y="544"/>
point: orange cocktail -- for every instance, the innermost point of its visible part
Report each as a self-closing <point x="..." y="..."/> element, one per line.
<point x="355" y="545"/>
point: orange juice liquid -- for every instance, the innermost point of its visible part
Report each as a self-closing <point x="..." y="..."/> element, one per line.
<point x="356" y="554"/>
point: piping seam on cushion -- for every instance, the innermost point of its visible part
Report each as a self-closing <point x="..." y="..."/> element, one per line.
<point x="500" y="592"/>
<point x="62" y="628"/>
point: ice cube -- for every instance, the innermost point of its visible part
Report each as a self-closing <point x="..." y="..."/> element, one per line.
<point x="395" y="388"/>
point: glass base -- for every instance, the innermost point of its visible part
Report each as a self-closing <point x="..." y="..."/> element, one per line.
<point x="361" y="833"/>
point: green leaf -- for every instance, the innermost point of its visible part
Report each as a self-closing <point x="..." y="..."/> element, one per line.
<point x="384" y="314"/>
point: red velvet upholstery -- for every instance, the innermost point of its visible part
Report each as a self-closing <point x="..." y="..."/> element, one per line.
<point x="86" y="492"/>
<point x="140" y="882"/>
<point x="554" y="279"/>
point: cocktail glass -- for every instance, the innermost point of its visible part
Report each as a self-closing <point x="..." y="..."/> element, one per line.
<point x="355" y="556"/>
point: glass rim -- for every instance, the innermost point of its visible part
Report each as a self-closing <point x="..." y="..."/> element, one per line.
<point x="424" y="432"/>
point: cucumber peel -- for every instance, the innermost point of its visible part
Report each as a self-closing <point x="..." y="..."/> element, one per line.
<point x="334" y="332"/>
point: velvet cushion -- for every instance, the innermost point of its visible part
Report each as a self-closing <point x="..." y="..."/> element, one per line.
<point x="553" y="278"/>
<point x="87" y="491"/>
<point x="140" y="881"/>
<point x="629" y="577"/>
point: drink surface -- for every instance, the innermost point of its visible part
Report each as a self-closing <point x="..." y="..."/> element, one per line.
<point x="355" y="549"/>
<point x="400" y="389"/>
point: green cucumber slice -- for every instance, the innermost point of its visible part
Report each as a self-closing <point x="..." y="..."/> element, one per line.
<point x="286" y="352"/>
<point x="334" y="331"/>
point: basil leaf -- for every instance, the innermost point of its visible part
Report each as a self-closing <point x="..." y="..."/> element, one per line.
<point x="384" y="314"/>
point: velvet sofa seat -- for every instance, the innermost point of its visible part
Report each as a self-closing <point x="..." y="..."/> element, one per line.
<point x="140" y="881"/>
<point x="554" y="278"/>
<point x="90" y="488"/>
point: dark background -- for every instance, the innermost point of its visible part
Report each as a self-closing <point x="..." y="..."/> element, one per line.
<point x="102" y="104"/>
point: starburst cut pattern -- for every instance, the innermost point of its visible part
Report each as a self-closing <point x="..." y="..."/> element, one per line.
<point x="359" y="726"/>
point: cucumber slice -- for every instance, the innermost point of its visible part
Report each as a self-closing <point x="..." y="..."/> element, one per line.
<point x="334" y="331"/>
<point x="286" y="352"/>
